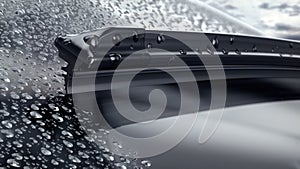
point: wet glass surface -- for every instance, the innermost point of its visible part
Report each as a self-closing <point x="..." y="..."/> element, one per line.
<point x="39" y="127"/>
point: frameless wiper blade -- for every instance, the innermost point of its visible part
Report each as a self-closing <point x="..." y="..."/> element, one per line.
<point x="141" y="39"/>
<point x="242" y="56"/>
<point x="92" y="64"/>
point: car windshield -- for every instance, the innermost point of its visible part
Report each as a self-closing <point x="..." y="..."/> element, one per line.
<point x="39" y="124"/>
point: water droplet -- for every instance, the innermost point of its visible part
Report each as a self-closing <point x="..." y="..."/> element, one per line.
<point x="7" y="124"/>
<point x="4" y="113"/>
<point x="53" y="107"/>
<point x="83" y="155"/>
<point x="5" y="79"/>
<point x="17" y="156"/>
<point x="36" y="115"/>
<point x="231" y="40"/>
<point x="146" y="163"/>
<point x="116" y="39"/>
<point x="160" y="39"/>
<point x="74" y="159"/>
<point x="149" y="45"/>
<point x="215" y="42"/>
<point x="54" y="162"/>
<point x="67" y="134"/>
<point x="7" y="133"/>
<point x="109" y="157"/>
<point x="182" y="52"/>
<point x="45" y="151"/>
<point x="3" y="88"/>
<point x="225" y="52"/>
<point x="91" y="40"/>
<point x="115" y="58"/>
<point x="34" y="107"/>
<point x="14" y="95"/>
<point x="36" y="89"/>
<point x="117" y="144"/>
<point x="13" y="163"/>
<point x="68" y="144"/>
<point x="19" y="42"/>
<point x="26" y="96"/>
<point x="20" y="12"/>
<point x="39" y="44"/>
<point x="17" y="144"/>
<point x="58" y="118"/>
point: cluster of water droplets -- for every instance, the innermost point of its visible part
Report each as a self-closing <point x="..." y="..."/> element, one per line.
<point x="38" y="126"/>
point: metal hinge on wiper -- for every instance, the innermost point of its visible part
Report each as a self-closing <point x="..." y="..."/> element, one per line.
<point x="100" y="52"/>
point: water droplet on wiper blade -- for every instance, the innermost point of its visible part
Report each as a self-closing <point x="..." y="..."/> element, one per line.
<point x="231" y="40"/>
<point x="116" y="39"/>
<point x="115" y="58"/>
<point x="160" y="39"/>
<point x="182" y="52"/>
<point x="149" y="45"/>
<point x="91" y="40"/>
<point x="215" y="42"/>
<point x="225" y="52"/>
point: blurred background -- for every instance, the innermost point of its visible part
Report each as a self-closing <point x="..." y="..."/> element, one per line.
<point x="273" y="17"/>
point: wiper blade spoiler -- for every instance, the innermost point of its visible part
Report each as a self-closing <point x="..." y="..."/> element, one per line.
<point x="242" y="56"/>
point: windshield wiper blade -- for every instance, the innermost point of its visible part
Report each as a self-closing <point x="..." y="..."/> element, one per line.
<point x="242" y="56"/>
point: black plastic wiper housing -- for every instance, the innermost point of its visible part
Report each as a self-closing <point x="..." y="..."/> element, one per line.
<point x="241" y="56"/>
